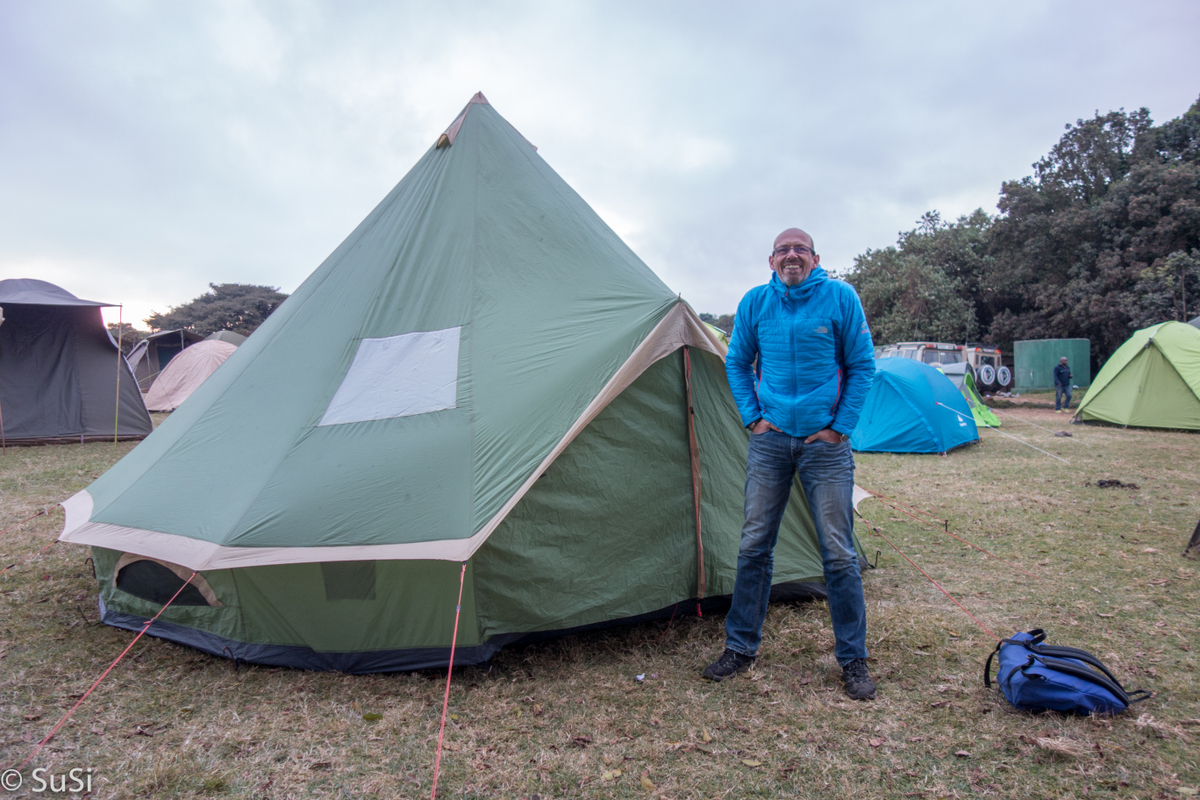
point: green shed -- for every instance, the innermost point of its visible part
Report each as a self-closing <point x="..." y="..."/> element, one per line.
<point x="1034" y="361"/>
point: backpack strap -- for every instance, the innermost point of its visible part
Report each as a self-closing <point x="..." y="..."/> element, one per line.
<point x="1071" y="668"/>
<point x="1038" y="635"/>
<point x="987" y="667"/>
<point x="1057" y="651"/>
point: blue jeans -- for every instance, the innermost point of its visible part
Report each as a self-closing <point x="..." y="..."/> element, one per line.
<point x="827" y="474"/>
<point x="1059" y="392"/>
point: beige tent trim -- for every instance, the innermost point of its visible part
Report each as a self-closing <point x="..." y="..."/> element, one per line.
<point x="859" y="495"/>
<point x="681" y="326"/>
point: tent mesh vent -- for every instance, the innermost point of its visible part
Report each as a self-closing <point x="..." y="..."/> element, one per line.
<point x="156" y="583"/>
<point x="349" y="580"/>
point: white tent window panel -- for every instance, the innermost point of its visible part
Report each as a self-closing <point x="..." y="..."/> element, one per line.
<point x="399" y="376"/>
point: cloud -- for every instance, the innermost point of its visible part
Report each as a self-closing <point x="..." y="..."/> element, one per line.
<point x="152" y="148"/>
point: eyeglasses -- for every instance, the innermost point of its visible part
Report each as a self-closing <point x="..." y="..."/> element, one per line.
<point x="799" y="248"/>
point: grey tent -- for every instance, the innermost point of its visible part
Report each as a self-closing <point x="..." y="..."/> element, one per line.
<point x="62" y="377"/>
<point x="151" y="355"/>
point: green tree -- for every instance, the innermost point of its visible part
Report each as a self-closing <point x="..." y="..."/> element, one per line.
<point x="929" y="285"/>
<point x="1082" y="248"/>
<point x="724" y="322"/>
<point x="1102" y="239"/>
<point x="1168" y="290"/>
<point x="236" y="307"/>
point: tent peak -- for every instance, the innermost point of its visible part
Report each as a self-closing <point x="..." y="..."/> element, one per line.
<point x="448" y="135"/>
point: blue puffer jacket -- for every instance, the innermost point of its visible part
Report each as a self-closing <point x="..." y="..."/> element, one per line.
<point x="815" y="353"/>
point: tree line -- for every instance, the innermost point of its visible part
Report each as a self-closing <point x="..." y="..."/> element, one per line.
<point x="1103" y="239"/>
<point x="237" y="307"/>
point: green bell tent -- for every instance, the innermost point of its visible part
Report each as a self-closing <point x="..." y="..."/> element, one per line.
<point x="1152" y="381"/>
<point x="482" y="374"/>
<point x="962" y="375"/>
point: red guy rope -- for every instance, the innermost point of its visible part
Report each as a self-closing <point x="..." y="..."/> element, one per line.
<point x="145" y="627"/>
<point x="944" y="522"/>
<point x="437" y="763"/>
<point x="964" y="541"/>
<point x="22" y="522"/>
<point x="931" y="580"/>
<point x="28" y="557"/>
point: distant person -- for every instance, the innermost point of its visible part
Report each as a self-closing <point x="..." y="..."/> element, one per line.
<point x="1062" y="386"/>
<point x="810" y="339"/>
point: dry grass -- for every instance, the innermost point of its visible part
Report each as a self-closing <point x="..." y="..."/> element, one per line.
<point x="567" y="718"/>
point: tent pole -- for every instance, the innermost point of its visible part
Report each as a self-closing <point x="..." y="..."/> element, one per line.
<point x="696" y="485"/>
<point x="117" y="412"/>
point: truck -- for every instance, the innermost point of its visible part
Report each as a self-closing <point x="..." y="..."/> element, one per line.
<point x="987" y="362"/>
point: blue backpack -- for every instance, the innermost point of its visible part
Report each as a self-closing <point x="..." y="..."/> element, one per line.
<point x="1039" y="677"/>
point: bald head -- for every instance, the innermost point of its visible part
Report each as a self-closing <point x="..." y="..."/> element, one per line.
<point x="794" y="234"/>
<point x="792" y="258"/>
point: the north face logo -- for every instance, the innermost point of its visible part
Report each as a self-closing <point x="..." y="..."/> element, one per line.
<point x="821" y="329"/>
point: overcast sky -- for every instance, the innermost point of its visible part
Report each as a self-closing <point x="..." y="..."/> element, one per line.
<point x="148" y="148"/>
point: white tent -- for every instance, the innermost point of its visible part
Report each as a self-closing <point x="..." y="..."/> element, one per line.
<point x="186" y="372"/>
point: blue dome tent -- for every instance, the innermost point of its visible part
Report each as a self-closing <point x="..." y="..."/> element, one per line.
<point x="912" y="408"/>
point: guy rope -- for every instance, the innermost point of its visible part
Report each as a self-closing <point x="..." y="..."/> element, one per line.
<point x="145" y="627"/>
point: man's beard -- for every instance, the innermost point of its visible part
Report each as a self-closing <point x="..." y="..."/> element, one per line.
<point x="797" y="277"/>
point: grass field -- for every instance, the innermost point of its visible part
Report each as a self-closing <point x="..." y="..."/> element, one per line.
<point x="568" y="717"/>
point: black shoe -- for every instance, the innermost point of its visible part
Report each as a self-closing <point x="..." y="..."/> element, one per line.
<point x="857" y="678"/>
<point x="729" y="664"/>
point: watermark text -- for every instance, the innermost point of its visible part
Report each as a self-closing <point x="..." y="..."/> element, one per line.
<point x="41" y="780"/>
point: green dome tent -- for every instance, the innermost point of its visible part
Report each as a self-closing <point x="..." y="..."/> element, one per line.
<point x="962" y="375"/>
<point x="1152" y="381"/>
<point x="482" y="374"/>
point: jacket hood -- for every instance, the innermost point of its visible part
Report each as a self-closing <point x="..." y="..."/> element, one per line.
<point x="802" y="291"/>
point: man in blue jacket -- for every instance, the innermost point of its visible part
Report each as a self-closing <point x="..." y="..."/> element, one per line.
<point x="815" y="363"/>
